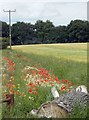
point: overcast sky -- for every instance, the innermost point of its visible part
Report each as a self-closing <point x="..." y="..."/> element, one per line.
<point x="60" y="12"/>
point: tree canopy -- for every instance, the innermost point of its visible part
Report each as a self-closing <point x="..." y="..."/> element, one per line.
<point x="46" y="32"/>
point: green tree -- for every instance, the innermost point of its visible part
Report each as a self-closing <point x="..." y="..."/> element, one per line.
<point x="78" y="31"/>
<point x="43" y="30"/>
<point x="23" y="33"/>
<point x="5" y="29"/>
<point x="46" y="32"/>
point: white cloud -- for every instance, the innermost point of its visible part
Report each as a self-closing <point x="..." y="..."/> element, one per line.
<point x="57" y="12"/>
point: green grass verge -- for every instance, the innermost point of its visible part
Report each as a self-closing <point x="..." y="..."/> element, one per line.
<point x="66" y="61"/>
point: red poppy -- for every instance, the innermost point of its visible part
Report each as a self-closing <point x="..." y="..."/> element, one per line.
<point x="63" y="80"/>
<point x="30" y="90"/>
<point x="4" y="95"/>
<point x="56" y="79"/>
<point x="66" y="81"/>
<point x="11" y="91"/>
<point x="31" y="84"/>
<point x="46" y="80"/>
<point x="63" y="88"/>
<point x="70" y="83"/>
<point x="35" y="93"/>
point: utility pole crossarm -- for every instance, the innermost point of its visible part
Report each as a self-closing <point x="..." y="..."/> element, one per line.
<point x="9" y="11"/>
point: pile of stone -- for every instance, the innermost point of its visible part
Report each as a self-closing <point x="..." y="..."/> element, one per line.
<point x="62" y="105"/>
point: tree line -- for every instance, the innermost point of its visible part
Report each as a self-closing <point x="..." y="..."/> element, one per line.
<point x="45" y="32"/>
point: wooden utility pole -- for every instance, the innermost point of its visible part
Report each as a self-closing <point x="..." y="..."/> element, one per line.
<point x="9" y="11"/>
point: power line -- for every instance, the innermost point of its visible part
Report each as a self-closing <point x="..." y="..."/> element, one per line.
<point x="9" y="11"/>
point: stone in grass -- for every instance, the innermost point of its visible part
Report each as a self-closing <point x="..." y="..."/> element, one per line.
<point x="82" y="88"/>
<point x="50" y="110"/>
<point x="54" y="92"/>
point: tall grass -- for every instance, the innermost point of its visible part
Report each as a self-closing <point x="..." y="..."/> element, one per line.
<point x="66" y="61"/>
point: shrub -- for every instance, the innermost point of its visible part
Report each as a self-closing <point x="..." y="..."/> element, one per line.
<point x="4" y="42"/>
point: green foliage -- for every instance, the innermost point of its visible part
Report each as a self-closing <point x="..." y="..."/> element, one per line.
<point x="23" y="33"/>
<point x="78" y="31"/>
<point x="4" y="42"/>
<point x="46" y="32"/>
<point x="5" y="29"/>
